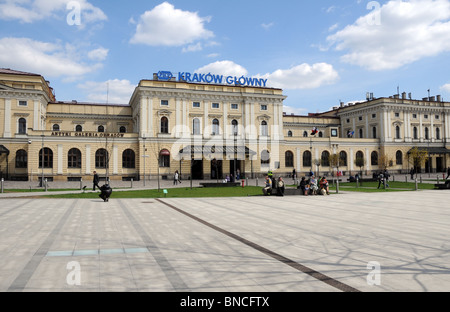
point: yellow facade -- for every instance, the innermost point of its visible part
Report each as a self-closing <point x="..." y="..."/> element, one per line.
<point x="169" y="125"/>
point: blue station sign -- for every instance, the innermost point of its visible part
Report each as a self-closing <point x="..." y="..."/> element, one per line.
<point x="213" y="79"/>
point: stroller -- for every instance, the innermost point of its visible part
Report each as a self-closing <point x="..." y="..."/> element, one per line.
<point x="106" y="191"/>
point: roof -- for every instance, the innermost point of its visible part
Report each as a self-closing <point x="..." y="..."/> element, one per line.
<point x="16" y="72"/>
<point x="3" y="150"/>
<point x="89" y="103"/>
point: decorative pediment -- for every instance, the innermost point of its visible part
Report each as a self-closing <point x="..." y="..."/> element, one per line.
<point x="264" y="117"/>
<point x="164" y="112"/>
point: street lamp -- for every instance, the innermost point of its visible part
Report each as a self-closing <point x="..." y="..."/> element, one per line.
<point x="42" y="161"/>
<point x="145" y="156"/>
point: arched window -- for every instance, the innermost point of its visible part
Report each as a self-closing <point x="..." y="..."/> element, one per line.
<point x="438" y="134"/>
<point x="216" y="127"/>
<point x="101" y="159"/>
<point x="164" y="125"/>
<point x="123" y="129"/>
<point x="397" y="132"/>
<point x="22" y="126"/>
<point x="343" y="158"/>
<point x="415" y="133"/>
<point x="374" y="159"/>
<point x="290" y="134"/>
<point x="305" y="134"/>
<point x="399" y="158"/>
<point x="78" y="128"/>
<point x="128" y="159"/>
<point x="265" y="157"/>
<point x="21" y="159"/>
<point x="56" y="127"/>
<point x="427" y="133"/>
<point x="289" y="159"/>
<point x="101" y="129"/>
<point x="196" y="126"/>
<point x="264" y="128"/>
<point x="164" y="159"/>
<point x="307" y="159"/>
<point x="74" y="158"/>
<point x="374" y="132"/>
<point x="235" y="127"/>
<point x="325" y="159"/>
<point x="46" y="155"/>
<point x="359" y="155"/>
<point x="320" y="134"/>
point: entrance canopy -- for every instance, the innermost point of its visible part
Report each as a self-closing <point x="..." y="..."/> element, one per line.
<point x="433" y="150"/>
<point x="210" y="151"/>
<point x="4" y="150"/>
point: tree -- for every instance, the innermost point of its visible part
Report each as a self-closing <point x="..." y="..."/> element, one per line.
<point x="318" y="163"/>
<point x="384" y="162"/>
<point x="335" y="161"/>
<point x="360" y="162"/>
<point x="417" y="157"/>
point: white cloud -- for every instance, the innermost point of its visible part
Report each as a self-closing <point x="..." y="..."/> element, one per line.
<point x="120" y="91"/>
<point x="303" y="76"/>
<point x="167" y="26"/>
<point x="47" y="59"/>
<point x="29" y="11"/>
<point x="267" y="26"/>
<point x="446" y="88"/>
<point x="399" y="33"/>
<point x="193" y="47"/>
<point x="226" y="68"/>
<point x="99" y="54"/>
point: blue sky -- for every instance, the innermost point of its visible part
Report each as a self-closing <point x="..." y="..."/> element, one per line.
<point x="318" y="52"/>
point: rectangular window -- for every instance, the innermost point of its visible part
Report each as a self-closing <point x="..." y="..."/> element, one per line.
<point x="360" y="118"/>
<point x="234" y="106"/>
<point x="436" y="117"/>
<point x="415" y="116"/>
<point x="23" y="103"/>
<point x="164" y="103"/>
<point x="374" y="115"/>
<point x="196" y="104"/>
<point x="397" y="115"/>
<point x="215" y="105"/>
<point x="425" y="116"/>
<point x="263" y="107"/>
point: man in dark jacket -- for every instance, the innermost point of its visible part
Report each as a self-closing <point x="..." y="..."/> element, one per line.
<point x="96" y="180"/>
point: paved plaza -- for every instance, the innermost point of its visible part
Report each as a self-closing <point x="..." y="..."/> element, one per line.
<point x="369" y="242"/>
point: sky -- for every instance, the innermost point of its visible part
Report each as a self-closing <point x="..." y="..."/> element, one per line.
<point x="320" y="53"/>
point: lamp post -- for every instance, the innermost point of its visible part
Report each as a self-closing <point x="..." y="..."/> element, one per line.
<point x="145" y="156"/>
<point x="42" y="160"/>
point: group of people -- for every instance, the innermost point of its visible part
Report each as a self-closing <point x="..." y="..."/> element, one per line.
<point x="271" y="183"/>
<point x="383" y="178"/>
<point x="314" y="186"/>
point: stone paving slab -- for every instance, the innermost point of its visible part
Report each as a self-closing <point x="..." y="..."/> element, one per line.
<point x="177" y="245"/>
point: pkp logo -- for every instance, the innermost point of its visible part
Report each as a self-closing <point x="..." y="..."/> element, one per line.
<point x="165" y="75"/>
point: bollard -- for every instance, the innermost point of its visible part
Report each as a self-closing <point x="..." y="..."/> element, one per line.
<point x="421" y="180"/>
<point x="46" y="185"/>
<point x="246" y="181"/>
<point x="357" y="182"/>
<point x="131" y="182"/>
<point x="337" y="186"/>
<point x="406" y="178"/>
<point x="437" y="178"/>
<point x="256" y="181"/>
<point x="81" y="184"/>
<point x="416" y="185"/>
<point x="3" y="181"/>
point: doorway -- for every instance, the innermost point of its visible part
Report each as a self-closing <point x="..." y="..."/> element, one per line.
<point x="216" y="169"/>
<point x="197" y="170"/>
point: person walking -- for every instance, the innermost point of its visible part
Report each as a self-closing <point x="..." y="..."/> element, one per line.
<point x="176" y="178"/>
<point x="412" y="172"/>
<point x="96" y="181"/>
<point x="386" y="177"/>
<point x="380" y="179"/>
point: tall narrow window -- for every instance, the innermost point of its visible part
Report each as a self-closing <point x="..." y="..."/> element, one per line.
<point x="234" y="125"/>
<point x="361" y="133"/>
<point x="22" y="126"/>
<point x="427" y="133"/>
<point x="374" y="132"/>
<point x="374" y="159"/>
<point x="307" y="159"/>
<point x="46" y="156"/>
<point x="164" y="125"/>
<point x="397" y="132"/>
<point x="164" y="159"/>
<point x="399" y="158"/>
<point x="343" y="159"/>
<point x="196" y="126"/>
<point x="128" y="159"/>
<point x="325" y="159"/>
<point x="438" y="134"/>
<point x="101" y="159"/>
<point x="415" y="133"/>
<point x="264" y="128"/>
<point x="74" y="159"/>
<point x="21" y="159"/>
<point x="216" y="127"/>
<point x="289" y="159"/>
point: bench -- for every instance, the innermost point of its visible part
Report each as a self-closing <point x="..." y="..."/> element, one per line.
<point x="220" y="184"/>
<point x="445" y="186"/>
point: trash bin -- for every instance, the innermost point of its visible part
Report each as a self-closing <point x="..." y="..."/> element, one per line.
<point x="106" y="191"/>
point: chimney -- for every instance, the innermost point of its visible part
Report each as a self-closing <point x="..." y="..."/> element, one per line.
<point x="342" y="104"/>
<point x="432" y="99"/>
<point x="439" y="98"/>
<point x="396" y="96"/>
<point x="404" y="95"/>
